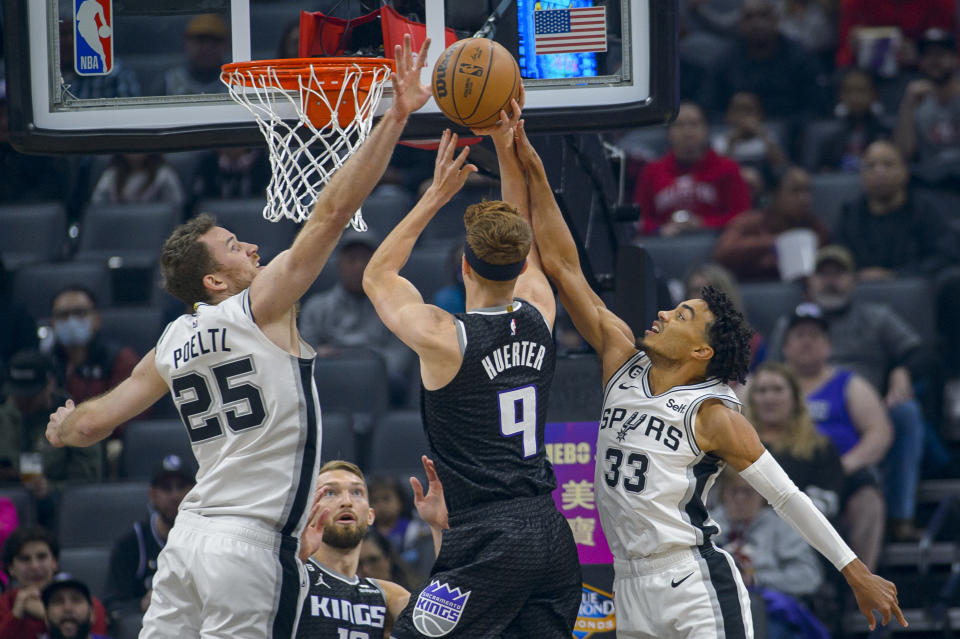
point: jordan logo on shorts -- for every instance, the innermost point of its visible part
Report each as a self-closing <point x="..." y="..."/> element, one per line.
<point x="438" y="609"/>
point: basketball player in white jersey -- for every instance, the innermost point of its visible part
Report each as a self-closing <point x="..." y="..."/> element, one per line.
<point x="670" y="423"/>
<point x="242" y="380"/>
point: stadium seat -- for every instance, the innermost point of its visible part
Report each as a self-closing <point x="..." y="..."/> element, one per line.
<point x="577" y="391"/>
<point x="338" y="440"/>
<point x="912" y="299"/>
<point x="147" y="442"/>
<point x="765" y="302"/>
<point x="127" y="624"/>
<point x="244" y="218"/>
<point x="815" y="135"/>
<point x="136" y="326"/>
<point x="89" y="565"/>
<point x="94" y="515"/>
<point x="23" y="501"/>
<point x="830" y="192"/>
<point x="447" y="224"/>
<point x="427" y="269"/>
<point x="34" y="286"/>
<point x="386" y="206"/>
<point x="674" y="256"/>
<point x="32" y="233"/>
<point x="649" y="142"/>
<point x="354" y="381"/>
<point x="129" y="231"/>
<point x="396" y="444"/>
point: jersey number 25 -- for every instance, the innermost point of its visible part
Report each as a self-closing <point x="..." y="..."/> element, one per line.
<point x="194" y="400"/>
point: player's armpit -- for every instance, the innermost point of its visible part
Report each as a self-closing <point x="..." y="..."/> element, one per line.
<point x="397" y="597"/>
<point x="727" y="434"/>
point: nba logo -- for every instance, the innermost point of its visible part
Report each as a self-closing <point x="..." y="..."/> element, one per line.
<point x="93" y="37"/>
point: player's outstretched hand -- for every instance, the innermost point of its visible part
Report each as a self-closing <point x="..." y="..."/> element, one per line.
<point x="56" y="420"/>
<point x="312" y="535"/>
<point x="873" y="593"/>
<point x="409" y="94"/>
<point x="449" y="172"/>
<point x="431" y="506"/>
<point x="527" y="155"/>
<point x="503" y="132"/>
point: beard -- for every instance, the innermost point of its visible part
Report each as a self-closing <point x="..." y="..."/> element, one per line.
<point x="345" y="537"/>
<point x="83" y="630"/>
<point x="831" y="301"/>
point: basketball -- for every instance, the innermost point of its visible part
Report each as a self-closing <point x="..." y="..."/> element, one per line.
<point x="105" y="31"/>
<point x="473" y="80"/>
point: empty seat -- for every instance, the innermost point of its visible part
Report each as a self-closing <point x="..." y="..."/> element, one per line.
<point x="830" y="192"/>
<point x="339" y="439"/>
<point x="910" y="297"/>
<point x="354" y="381"/>
<point x="765" y="302"/>
<point x="94" y="515"/>
<point x="244" y="218"/>
<point x="674" y="256"/>
<point x="147" y="442"/>
<point x="129" y="231"/>
<point x="89" y="565"/>
<point x="387" y="205"/>
<point x="34" y="286"/>
<point x="396" y="444"/>
<point x="427" y="270"/>
<point x="32" y="233"/>
<point x="127" y="624"/>
<point x="23" y="501"/>
<point x="137" y="326"/>
<point x="815" y="135"/>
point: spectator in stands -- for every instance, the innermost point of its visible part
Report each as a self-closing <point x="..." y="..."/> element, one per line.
<point x="138" y="177"/>
<point x="207" y="46"/>
<point x="69" y="608"/>
<point x="378" y="560"/>
<point x="289" y="46"/>
<point x="691" y="187"/>
<point x="846" y="409"/>
<point x="778" y="410"/>
<point x="876" y="343"/>
<point x="928" y="125"/>
<point x="121" y="82"/>
<point x="86" y="362"/>
<point x="25" y="454"/>
<point x="747" y="245"/>
<point x="133" y="560"/>
<point x="30" y="558"/>
<point x="232" y="172"/>
<point x="453" y="297"/>
<point x="396" y="520"/>
<point x="783" y="75"/>
<point x="9" y="521"/>
<point x="858" y="113"/>
<point x="343" y="317"/>
<point x="773" y="559"/>
<point x="746" y="139"/>
<point x="912" y="18"/>
<point x="811" y="23"/>
<point x="18" y="330"/>
<point x="893" y="230"/>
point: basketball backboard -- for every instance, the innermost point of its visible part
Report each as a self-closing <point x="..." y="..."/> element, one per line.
<point x="113" y="75"/>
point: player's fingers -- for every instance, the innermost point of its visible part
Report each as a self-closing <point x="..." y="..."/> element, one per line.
<point x="871" y="620"/>
<point x="422" y="56"/>
<point x="465" y="173"/>
<point x="70" y="404"/>
<point x="462" y="158"/>
<point x="899" y="614"/>
<point x="398" y="61"/>
<point x="442" y="148"/>
<point x="452" y="147"/>
<point x="417" y="490"/>
<point x="430" y="469"/>
<point x="323" y="517"/>
<point x="515" y="116"/>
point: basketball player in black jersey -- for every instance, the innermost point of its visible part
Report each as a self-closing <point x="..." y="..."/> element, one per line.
<point x="508" y="566"/>
<point x="699" y="343"/>
<point x="340" y="604"/>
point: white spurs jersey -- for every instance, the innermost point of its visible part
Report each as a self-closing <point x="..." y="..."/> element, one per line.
<point x="651" y="479"/>
<point x="251" y="411"/>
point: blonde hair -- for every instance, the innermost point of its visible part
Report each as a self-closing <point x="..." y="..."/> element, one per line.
<point x="800" y="437"/>
<point x="340" y="464"/>
<point x="497" y="233"/>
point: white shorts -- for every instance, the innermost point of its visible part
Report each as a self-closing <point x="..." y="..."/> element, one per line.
<point x="692" y="593"/>
<point x="218" y="578"/>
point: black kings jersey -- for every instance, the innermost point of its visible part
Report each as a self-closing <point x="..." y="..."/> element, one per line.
<point x="485" y="427"/>
<point x="341" y="607"/>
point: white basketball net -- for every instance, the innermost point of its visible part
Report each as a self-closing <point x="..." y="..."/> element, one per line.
<point x="303" y="157"/>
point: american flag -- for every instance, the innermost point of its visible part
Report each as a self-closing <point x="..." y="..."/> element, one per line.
<point x="570" y="30"/>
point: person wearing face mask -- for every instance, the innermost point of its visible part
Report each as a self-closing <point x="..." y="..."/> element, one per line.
<point x="87" y="362"/>
<point x="31" y="392"/>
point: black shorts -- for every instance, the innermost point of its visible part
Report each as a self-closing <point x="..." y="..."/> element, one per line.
<point x="505" y="569"/>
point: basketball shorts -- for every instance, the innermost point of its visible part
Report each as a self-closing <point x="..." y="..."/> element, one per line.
<point x="505" y="569"/>
<point x="692" y="593"/>
<point x="218" y="578"/>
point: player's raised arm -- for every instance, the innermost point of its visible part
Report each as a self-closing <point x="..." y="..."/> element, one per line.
<point x="94" y="419"/>
<point x="398" y="303"/>
<point x="605" y="332"/>
<point x="290" y="274"/>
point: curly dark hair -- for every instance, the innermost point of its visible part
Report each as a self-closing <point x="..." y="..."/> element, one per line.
<point x="729" y="336"/>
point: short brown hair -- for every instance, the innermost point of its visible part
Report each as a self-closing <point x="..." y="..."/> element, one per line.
<point x="497" y="233"/>
<point x="340" y="464"/>
<point x="185" y="260"/>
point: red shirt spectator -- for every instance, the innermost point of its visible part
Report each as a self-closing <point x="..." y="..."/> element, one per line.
<point x="912" y="16"/>
<point x="691" y="187"/>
